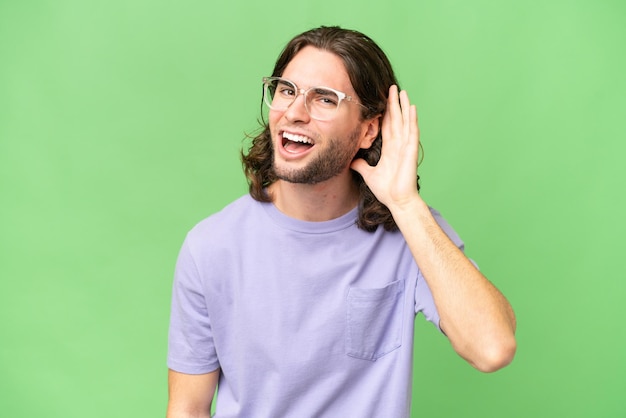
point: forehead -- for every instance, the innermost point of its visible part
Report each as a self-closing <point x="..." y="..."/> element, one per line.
<point x="316" y="67"/>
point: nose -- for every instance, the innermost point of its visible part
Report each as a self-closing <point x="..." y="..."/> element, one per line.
<point x="297" y="109"/>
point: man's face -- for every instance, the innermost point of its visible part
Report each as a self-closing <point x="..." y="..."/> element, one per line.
<point x="311" y="151"/>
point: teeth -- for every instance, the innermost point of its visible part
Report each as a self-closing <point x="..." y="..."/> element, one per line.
<point x="297" y="138"/>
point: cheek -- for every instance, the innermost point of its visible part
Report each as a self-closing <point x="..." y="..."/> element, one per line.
<point x="273" y="117"/>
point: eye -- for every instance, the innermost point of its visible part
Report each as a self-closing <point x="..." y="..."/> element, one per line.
<point x="285" y="89"/>
<point x="326" y="98"/>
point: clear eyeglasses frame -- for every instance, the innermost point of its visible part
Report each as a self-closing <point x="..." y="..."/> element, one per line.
<point x="321" y="103"/>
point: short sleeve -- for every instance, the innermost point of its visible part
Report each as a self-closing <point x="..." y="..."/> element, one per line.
<point x="424" y="302"/>
<point x="190" y="342"/>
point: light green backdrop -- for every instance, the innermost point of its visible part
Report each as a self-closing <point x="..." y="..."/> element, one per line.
<point x="120" y="123"/>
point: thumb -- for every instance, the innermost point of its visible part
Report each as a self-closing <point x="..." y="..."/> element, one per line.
<point x="361" y="166"/>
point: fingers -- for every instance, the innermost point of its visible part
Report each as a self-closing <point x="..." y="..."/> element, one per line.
<point x="414" y="131"/>
<point x="392" y="103"/>
<point x="405" y="106"/>
<point x="400" y="119"/>
<point x="390" y="112"/>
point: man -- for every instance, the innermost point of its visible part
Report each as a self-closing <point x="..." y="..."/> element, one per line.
<point x="300" y="299"/>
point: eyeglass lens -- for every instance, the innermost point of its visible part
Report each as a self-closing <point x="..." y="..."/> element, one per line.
<point x="321" y="103"/>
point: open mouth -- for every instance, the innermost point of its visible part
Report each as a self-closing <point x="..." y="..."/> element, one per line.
<point x="296" y="144"/>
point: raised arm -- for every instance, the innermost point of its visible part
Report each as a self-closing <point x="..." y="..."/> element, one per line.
<point x="475" y="316"/>
<point x="190" y="396"/>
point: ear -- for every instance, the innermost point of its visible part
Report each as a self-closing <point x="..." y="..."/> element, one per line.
<point x="371" y="128"/>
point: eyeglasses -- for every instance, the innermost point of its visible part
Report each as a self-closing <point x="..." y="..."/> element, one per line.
<point x="321" y="103"/>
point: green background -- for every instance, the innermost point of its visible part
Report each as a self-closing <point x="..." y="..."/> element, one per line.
<point x="120" y="124"/>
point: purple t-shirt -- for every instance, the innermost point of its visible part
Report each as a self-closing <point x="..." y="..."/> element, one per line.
<point x="304" y="319"/>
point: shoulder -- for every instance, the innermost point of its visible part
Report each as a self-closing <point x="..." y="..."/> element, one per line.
<point x="235" y="216"/>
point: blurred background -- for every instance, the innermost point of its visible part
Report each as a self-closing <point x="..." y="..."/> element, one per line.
<point x="120" y="127"/>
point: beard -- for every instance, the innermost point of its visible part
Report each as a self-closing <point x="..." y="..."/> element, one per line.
<point x="330" y="162"/>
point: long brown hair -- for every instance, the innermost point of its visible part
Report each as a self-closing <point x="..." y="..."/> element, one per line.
<point x="371" y="76"/>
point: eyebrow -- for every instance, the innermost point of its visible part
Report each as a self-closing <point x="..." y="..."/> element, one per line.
<point x="285" y="81"/>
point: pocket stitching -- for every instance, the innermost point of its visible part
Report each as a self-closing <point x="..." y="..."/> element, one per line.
<point x="383" y="344"/>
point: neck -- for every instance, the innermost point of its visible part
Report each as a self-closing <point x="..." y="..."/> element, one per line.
<point x="315" y="202"/>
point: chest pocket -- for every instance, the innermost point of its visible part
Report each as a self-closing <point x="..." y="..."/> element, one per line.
<point x="374" y="321"/>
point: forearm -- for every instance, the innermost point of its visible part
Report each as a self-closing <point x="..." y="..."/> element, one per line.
<point x="475" y="316"/>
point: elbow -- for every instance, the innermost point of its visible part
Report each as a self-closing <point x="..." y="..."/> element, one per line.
<point x="496" y="355"/>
